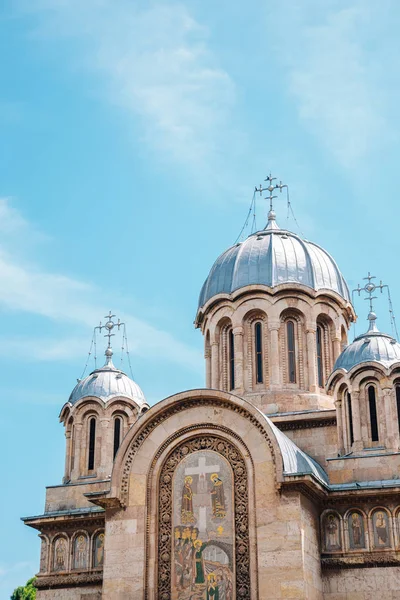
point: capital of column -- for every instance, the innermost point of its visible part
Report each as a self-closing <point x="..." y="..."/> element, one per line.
<point x="214" y="343"/>
<point x="238" y="330"/>
<point x="311" y="328"/>
<point x="207" y="353"/>
<point x="274" y="326"/>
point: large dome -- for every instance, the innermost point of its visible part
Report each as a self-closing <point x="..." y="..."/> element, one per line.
<point x="272" y="257"/>
<point x="372" y="346"/>
<point x="107" y="383"/>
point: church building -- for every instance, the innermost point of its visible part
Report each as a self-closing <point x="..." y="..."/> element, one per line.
<point x="278" y="479"/>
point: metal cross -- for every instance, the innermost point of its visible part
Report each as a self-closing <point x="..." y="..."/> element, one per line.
<point x="270" y="188"/>
<point x="369" y="288"/>
<point x="109" y="326"/>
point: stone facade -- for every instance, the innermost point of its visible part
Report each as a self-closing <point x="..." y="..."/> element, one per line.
<point x="279" y="480"/>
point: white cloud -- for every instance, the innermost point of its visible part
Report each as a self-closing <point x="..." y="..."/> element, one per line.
<point x="330" y="75"/>
<point x="25" y="287"/>
<point x="156" y="64"/>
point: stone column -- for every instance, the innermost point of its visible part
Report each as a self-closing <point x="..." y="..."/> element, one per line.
<point x="339" y="424"/>
<point x="337" y="343"/>
<point x="345" y="427"/>
<point x="207" y="356"/>
<point x="79" y="467"/>
<point x="312" y="359"/>
<point x="355" y="410"/>
<point x="238" y="345"/>
<point x="67" y="470"/>
<point x="104" y="453"/>
<point x="215" y="365"/>
<point x="390" y="409"/>
<point x="274" y="353"/>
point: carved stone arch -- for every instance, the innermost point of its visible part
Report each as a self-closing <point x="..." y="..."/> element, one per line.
<point x="216" y="443"/>
<point x="185" y="416"/>
<point x="250" y="319"/>
<point x="298" y="319"/>
<point x="174" y="405"/>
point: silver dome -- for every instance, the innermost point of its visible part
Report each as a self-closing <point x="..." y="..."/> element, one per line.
<point x="107" y="383"/>
<point x="272" y="257"/>
<point x="372" y="346"/>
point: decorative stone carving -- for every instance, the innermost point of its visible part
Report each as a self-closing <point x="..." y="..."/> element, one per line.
<point x="166" y="534"/>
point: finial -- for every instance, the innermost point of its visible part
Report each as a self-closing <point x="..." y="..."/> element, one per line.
<point x="109" y="326"/>
<point x="271" y="187"/>
<point x="369" y="288"/>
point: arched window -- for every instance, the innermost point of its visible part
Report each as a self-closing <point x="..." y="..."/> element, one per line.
<point x="350" y="418"/>
<point x="291" y="351"/>
<point x="372" y="413"/>
<point x="398" y="405"/>
<point x="231" y="343"/>
<point x="92" y="443"/>
<point x="117" y="434"/>
<point x="320" y="357"/>
<point x="258" y="352"/>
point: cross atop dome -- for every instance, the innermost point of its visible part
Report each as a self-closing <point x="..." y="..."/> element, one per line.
<point x="369" y="288"/>
<point x="109" y="326"/>
<point x="271" y="187"/>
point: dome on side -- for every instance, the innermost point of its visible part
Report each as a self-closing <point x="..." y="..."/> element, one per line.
<point x="106" y="383"/>
<point x="372" y="346"/>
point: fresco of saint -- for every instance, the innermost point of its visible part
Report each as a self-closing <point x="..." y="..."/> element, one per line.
<point x="60" y="558"/>
<point x="187" y="516"/>
<point x="356" y="529"/>
<point x="98" y="558"/>
<point x="218" y="497"/>
<point x="381" y="533"/>
<point x="212" y="587"/>
<point x="199" y="562"/>
<point x="80" y="552"/>
<point x="332" y="533"/>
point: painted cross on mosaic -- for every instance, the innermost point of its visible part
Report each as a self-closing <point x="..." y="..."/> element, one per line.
<point x="203" y="527"/>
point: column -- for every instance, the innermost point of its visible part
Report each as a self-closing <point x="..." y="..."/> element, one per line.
<point x="274" y="353"/>
<point x="79" y="467"/>
<point x="207" y="356"/>
<point x="215" y="365"/>
<point x="67" y="473"/>
<point x="312" y="359"/>
<point x="104" y="453"/>
<point x="238" y="345"/>
<point x="339" y="423"/>
<point x="337" y="344"/>
<point x="355" y="409"/>
<point x="389" y="402"/>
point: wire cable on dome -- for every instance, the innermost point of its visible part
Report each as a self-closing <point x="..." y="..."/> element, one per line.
<point x="251" y="209"/>
<point x="89" y="355"/>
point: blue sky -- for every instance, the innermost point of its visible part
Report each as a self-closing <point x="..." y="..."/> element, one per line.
<point x="132" y="136"/>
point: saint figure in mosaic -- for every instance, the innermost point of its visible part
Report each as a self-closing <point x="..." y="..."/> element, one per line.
<point x="332" y="533"/>
<point x="60" y="555"/>
<point x="356" y="530"/>
<point x="217" y="497"/>
<point x="80" y="552"/>
<point x="381" y="529"/>
<point x="212" y="587"/>
<point x="187" y="516"/>
<point x="203" y="528"/>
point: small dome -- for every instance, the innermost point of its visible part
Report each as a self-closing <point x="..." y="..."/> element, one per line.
<point x="107" y="383"/>
<point x="372" y="346"/>
<point x="272" y="257"/>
